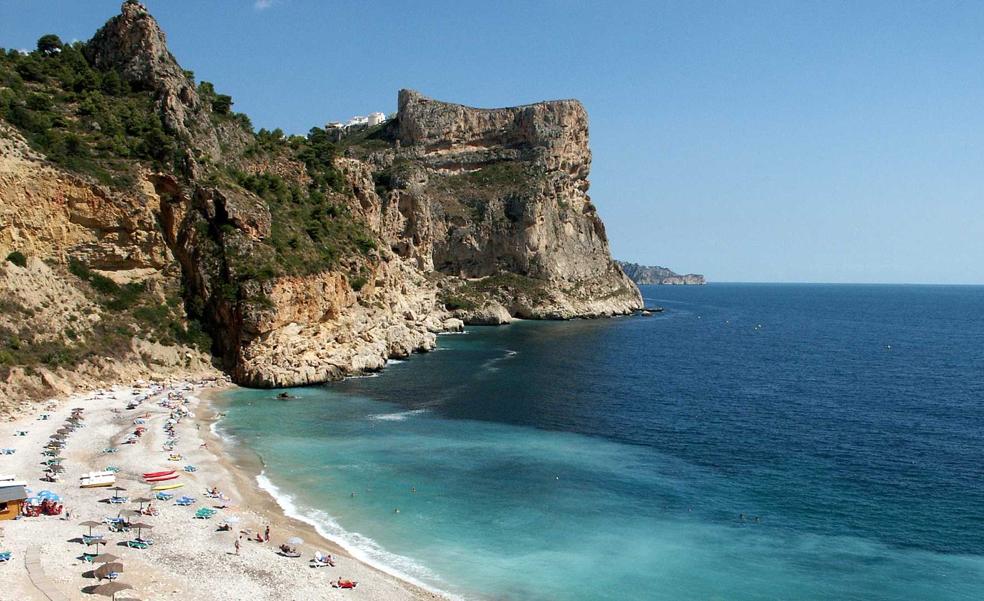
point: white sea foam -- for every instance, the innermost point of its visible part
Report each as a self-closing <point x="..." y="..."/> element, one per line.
<point x="368" y="374"/>
<point x="359" y="546"/>
<point x="394" y="361"/>
<point x="397" y="416"/>
<point x="490" y="365"/>
<point x="220" y="433"/>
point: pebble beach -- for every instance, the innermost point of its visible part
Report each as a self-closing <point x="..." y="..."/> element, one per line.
<point x="189" y="558"/>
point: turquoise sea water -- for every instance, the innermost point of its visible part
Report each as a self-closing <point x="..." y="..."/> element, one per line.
<point x="753" y="442"/>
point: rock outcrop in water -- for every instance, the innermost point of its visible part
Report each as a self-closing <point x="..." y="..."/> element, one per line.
<point x="304" y="259"/>
<point x="644" y="274"/>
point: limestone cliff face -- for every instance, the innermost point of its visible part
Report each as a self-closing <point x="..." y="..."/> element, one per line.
<point x="293" y="330"/>
<point x="46" y="210"/>
<point x="478" y="193"/>
<point x="463" y="214"/>
<point x="52" y="216"/>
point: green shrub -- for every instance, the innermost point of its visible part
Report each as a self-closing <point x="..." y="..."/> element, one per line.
<point x="454" y="302"/>
<point x="222" y="104"/>
<point x="17" y="258"/>
<point x="119" y="297"/>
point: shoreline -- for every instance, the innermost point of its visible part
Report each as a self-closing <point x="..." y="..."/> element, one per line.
<point x="189" y="558"/>
<point x="247" y="468"/>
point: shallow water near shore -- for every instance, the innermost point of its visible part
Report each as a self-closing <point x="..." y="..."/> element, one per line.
<point x="752" y="442"/>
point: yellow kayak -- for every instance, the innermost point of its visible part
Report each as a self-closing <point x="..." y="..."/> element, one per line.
<point x="168" y="486"/>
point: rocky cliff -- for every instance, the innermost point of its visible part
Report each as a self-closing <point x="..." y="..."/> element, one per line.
<point x="161" y="216"/>
<point x="644" y="274"/>
<point x="495" y="201"/>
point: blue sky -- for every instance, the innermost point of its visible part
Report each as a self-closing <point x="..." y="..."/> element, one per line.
<point x="750" y="141"/>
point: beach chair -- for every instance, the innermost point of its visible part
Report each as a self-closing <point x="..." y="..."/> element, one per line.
<point x="88" y="539"/>
<point x="204" y="513"/>
<point x="4" y="556"/>
<point x="7" y="451"/>
<point x="190" y="468"/>
<point x="137" y="544"/>
<point x="110" y="450"/>
<point x="119" y="500"/>
<point x="164" y="496"/>
<point x="184" y="501"/>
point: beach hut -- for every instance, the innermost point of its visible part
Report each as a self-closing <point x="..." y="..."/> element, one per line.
<point x="12" y="499"/>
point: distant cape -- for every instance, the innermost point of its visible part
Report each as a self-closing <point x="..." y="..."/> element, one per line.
<point x="645" y="274"/>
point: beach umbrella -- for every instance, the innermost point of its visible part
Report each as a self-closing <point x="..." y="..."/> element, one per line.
<point x="142" y="500"/>
<point x="141" y="526"/>
<point x="104" y="558"/>
<point x="118" y="488"/>
<point x="91" y="524"/>
<point x="129" y="513"/>
<point x="108" y="568"/>
<point x="111" y="588"/>
<point x="295" y="540"/>
<point x="47" y="494"/>
<point x="97" y="543"/>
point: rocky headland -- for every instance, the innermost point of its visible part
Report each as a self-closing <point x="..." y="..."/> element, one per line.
<point x="151" y="231"/>
<point x="644" y="274"/>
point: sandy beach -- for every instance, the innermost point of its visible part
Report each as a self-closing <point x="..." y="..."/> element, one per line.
<point x="190" y="558"/>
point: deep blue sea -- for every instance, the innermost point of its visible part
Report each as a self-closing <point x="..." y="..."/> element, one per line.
<point x="752" y="442"/>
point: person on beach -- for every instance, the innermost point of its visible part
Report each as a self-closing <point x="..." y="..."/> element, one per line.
<point x="237" y="546"/>
<point x="266" y="533"/>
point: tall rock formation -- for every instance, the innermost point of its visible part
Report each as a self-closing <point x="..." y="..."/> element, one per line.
<point x="484" y="193"/>
<point x="304" y="259"/>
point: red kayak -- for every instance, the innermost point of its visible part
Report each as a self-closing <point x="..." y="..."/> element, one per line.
<point x="158" y="474"/>
<point x="160" y="478"/>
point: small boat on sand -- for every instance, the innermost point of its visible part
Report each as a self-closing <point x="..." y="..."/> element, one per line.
<point x="158" y="474"/>
<point x="161" y="478"/>
<point x="160" y="487"/>
<point x="97" y="479"/>
<point x="161" y="473"/>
